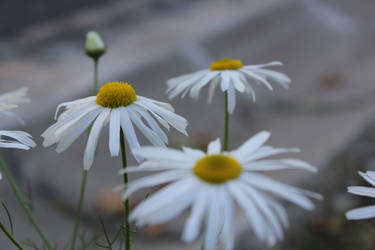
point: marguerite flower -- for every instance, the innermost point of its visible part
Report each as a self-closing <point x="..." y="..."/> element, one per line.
<point x="212" y="184"/>
<point x="14" y="139"/>
<point x="231" y="75"/>
<point x="363" y="212"/>
<point x="117" y="104"/>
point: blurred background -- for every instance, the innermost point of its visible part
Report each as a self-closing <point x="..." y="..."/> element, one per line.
<point x="327" y="47"/>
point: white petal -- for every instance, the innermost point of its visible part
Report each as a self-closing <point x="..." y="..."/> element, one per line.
<point x="362" y="191"/>
<point x="93" y="138"/>
<point x="11" y="144"/>
<point x="214" y="147"/>
<point x="147" y="132"/>
<point x="214" y="221"/>
<point x="76" y="102"/>
<point x="151" y="122"/>
<point x="128" y="130"/>
<point x="75" y="118"/>
<point x="162" y="197"/>
<point x="169" y="211"/>
<point x="263" y="206"/>
<point x="228" y="227"/>
<point x="180" y="87"/>
<point x="158" y="153"/>
<point x="193" y="223"/>
<point x="194" y="92"/>
<point x="225" y="80"/>
<point x="367" y="178"/>
<point x="212" y="88"/>
<point x="268" y="165"/>
<point x="361" y="213"/>
<point x="253" y="216"/>
<point x="73" y="133"/>
<point x="161" y="104"/>
<point x="193" y="153"/>
<point x="252" y="75"/>
<point x="273" y="63"/>
<point x="251" y="145"/>
<point x="279" y="209"/>
<point x="114" y="132"/>
<point x="269" y="151"/>
<point x="231" y="99"/>
<point x="153" y="180"/>
<point x="22" y="137"/>
<point x="287" y="192"/>
<point x="178" y="122"/>
<point x="238" y="84"/>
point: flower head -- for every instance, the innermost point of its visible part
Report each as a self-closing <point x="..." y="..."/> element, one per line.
<point x="117" y="104"/>
<point x="94" y="45"/>
<point x="363" y="212"/>
<point x="212" y="184"/>
<point x="232" y="75"/>
<point x="14" y="139"/>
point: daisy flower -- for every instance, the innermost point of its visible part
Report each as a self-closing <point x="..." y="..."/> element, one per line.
<point x="231" y="75"/>
<point x="117" y="104"/>
<point x="14" y="139"/>
<point x="363" y="212"/>
<point x="213" y="183"/>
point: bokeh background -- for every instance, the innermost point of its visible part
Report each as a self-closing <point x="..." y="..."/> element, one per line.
<point x="327" y="47"/>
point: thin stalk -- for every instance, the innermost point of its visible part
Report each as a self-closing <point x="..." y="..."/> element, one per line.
<point x="10" y="237"/>
<point x="79" y="211"/>
<point x="226" y="129"/>
<point x="126" y="203"/>
<point x="85" y="172"/>
<point x="96" y="72"/>
<point x="23" y="203"/>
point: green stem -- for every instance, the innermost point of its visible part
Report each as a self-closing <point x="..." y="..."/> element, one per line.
<point x="85" y="172"/>
<point x="126" y="203"/>
<point x="10" y="237"/>
<point x="79" y="211"/>
<point x="96" y="72"/>
<point x="23" y="203"/>
<point x="226" y="130"/>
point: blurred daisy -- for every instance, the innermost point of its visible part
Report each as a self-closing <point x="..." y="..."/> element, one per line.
<point x="14" y="139"/>
<point x="11" y="100"/>
<point x="363" y="212"/>
<point x="212" y="184"/>
<point x="231" y="75"/>
<point x="117" y="104"/>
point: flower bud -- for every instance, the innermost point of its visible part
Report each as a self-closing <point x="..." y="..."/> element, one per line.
<point x="94" y="45"/>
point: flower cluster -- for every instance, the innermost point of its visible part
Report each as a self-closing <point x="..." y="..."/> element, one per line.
<point x="215" y="187"/>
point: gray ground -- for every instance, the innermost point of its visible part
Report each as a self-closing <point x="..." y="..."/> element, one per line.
<point x="326" y="46"/>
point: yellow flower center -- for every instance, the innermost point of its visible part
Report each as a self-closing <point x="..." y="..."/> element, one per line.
<point x="116" y="94"/>
<point x="217" y="168"/>
<point x="226" y="64"/>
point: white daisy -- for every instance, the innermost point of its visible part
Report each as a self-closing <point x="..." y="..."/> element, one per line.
<point x="117" y="104"/>
<point x="363" y="212"/>
<point x="212" y="184"/>
<point x="14" y="139"/>
<point x="231" y="75"/>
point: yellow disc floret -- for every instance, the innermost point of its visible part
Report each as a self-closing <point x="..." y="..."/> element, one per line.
<point x="116" y="94"/>
<point x="226" y="64"/>
<point x="217" y="168"/>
